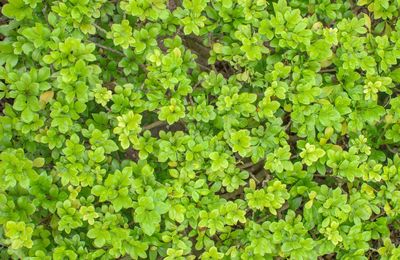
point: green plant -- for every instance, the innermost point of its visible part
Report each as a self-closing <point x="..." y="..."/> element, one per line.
<point x="198" y="129"/>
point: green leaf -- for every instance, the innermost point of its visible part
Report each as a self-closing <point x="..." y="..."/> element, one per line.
<point x="148" y="220"/>
<point x="17" y="9"/>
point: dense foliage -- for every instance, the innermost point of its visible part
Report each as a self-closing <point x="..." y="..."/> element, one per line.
<point x="199" y="129"/>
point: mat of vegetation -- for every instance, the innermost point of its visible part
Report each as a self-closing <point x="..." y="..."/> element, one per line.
<point x="199" y="129"/>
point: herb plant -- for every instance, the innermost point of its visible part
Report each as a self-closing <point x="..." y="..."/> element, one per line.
<point x="200" y="129"/>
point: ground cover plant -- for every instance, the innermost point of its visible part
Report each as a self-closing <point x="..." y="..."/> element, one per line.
<point x="199" y="129"/>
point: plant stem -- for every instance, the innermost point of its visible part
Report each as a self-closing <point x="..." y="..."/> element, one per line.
<point x="100" y="29"/>
<point x="246" y="165"/>
<point x="153" y="125"/>
<point x="328" y="70"/>
<point x="108" y="48"/>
